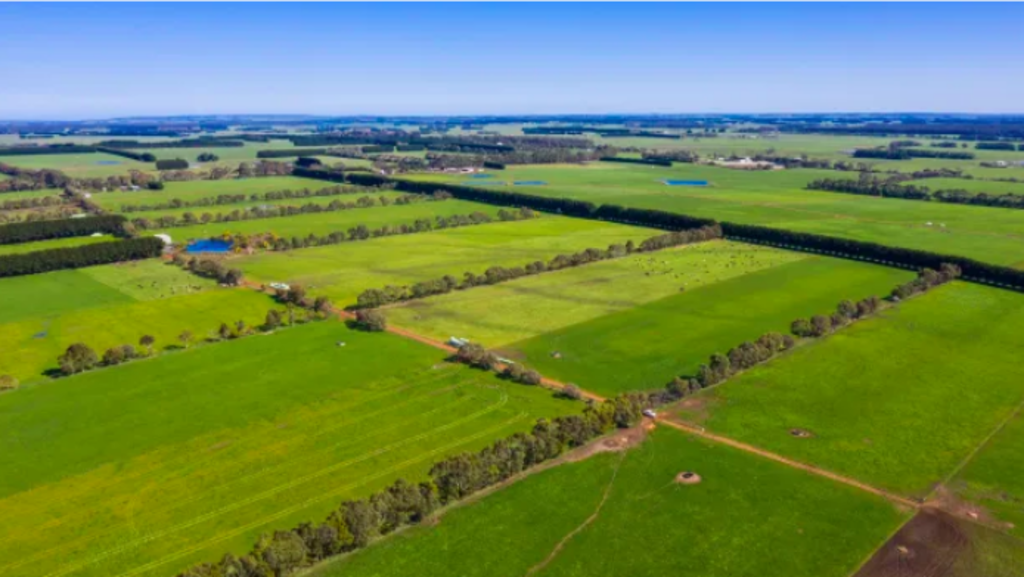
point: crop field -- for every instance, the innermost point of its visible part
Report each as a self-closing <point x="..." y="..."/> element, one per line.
<point x="280" y="429"/>
<point x="785" y="522"/>
<point x="82" y="165"/>
<point x="898" y="400"/>
<point x="778" y="199"/>
<point x="49" y="244"/>
<point x="324" y="223"/>
<point x="343" y="271"/>
<point x="200" y="189"/>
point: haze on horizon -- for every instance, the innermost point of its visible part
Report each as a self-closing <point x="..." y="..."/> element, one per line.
<point x="83" y="61"/>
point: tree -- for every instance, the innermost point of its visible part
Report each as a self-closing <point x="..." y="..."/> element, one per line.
<point x="371" y="320"/>
<point x="147" y="341"/>
<point x="273" y="320"/>
<point x="847" y="309"/>
<point x="284" y="553"/>
<point x="155" y="185"/>
<point x="801" y="328"/>
<point x="77" y="358"/>
<point x="225" y="331"/>
<point x="8" y="382"/>
<point x="185" y="337"/>
<point x="113" y="356"/>
<point x="820" y="325"/>
<point x="207" y="157"/>
<point x="571" y="391"/>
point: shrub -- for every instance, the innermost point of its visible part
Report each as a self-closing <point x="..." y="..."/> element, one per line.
<point x="175" y="164"/>
<point x="77" y="358"/>
<point x="8" y="382"/>
<point x="371" y="320"/>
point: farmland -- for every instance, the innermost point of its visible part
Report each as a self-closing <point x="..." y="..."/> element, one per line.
<point x="648" y="525"/>
<point x="79" y="165"/>
<point x="778" y="199"/>
<point x="191" y="191"/>
<point x="343" y="271"/>
<point x="50" y="244"/>
<point x="150" y="492"/>
<point x="933" y="379"/>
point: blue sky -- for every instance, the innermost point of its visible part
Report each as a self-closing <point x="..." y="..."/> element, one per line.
<point x="70" y="61"/>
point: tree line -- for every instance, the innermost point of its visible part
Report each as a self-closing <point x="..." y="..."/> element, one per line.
<point x="354" y="524"/>
<point x="172" y="164"/>
<point x="47" y="149"/>
<point x="998" y="146"/>
<point x="80" y="256"/>
<point x="373" y="298"/>
<point x="720" y="367"/>
<point x="891" y="188"/>
<point x="907" y="153"/>
<point x="201" y="142"/>
<point x="139" y="156"/>
<point x="679" y="155"/>
<point x="653" y="161"/>
<point x="70" y="227"/>
<point x="291" y="152"/>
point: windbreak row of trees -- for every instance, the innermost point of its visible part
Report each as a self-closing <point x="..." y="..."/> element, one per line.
<point x="48" y="149"/>
<point x="354" y="524"/>
<point x="66" y="228"/>
<point x="202" y="142"/>
<point x="139" y="156"/>
<point x="654" y="161"/>
<point x="291" y="152"/>
<point x="907" y="153"/>
<point x="80" y="256"/>
<point x="372" y="298"/>
<point x="998" y="146"/>
<point x="893" y="189"/>
<point x="28" y="179"/>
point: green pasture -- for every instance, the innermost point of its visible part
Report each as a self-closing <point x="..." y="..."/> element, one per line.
<point x="343" y="271"/>
<point x="25" y="247"/>
<point x="778" y="199"/>
<point x="215" y="210"/>
<point x="504" y="313"/>
<point x="81" y="165"/>
<point x="323" y="223"/>
<point x="898" y="400"/>
<point x="986" y="186"/>
<point x="747" y="517"/>
<point x="199" y="189"/>
<point x="147" y="468"/>
<point x="18" y="195"/>
<point x="644" y="347"/>
<point x="994" y="478"/>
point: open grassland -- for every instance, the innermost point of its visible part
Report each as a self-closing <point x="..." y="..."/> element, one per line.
<point x="199" y="189"/>
<point x="643" y="348"/>
<point x="994" y="478"/>
<point x="501" y="314"/>
<point x="81" y="165"/>
<point x="324" y="223"/>
<point x="147" y="468"/>
<point x="24" y="247"/>
<point x="111" y="305"/>
<point x="897" y="401"/>
<point x="747" y="517"/>
<point x="198" y="211"/>
<point x="343" y="271"/>
<point x="778" y="199"/>
<point x="987" y="186"/>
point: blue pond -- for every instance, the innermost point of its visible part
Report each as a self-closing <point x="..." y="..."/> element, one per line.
<point x="108" y="162"/>
<point x="529" y="183"/>
<point x="686" y="182"/>
<point x="210" y="245"/>
<point x="482" y="176"/>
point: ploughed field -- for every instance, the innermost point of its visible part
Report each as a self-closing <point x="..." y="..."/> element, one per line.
<point x="778" y="199"/>
<point x="149" y="467"/>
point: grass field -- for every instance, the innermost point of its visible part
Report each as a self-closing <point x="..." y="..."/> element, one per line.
<point x="897" y="401"/>
<point x="343" y="271"/>
<point x="994" y="478"/>
<point x="324" y="223"/>
<point x="147" y="468"/>
<point x="747" y="517"/>
<point x="24" y="247"/>
<point x="986" y="186"/>
<point x="501" y="314"/>
<point x="111" y="305"/>
<point x="643" y="348"/>
<point x="84" y="165"/>
<point x="778" y="199"/>
<point x="18" y="195"/>
<point x="199" y="189"/>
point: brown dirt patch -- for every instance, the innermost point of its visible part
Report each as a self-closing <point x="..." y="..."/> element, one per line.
<point x="621" y="440"/>
<point x="946" y="500"/>
<point x="687" y="478"/>
<point x="801" y="433"/>
<point x="928" y="546"/>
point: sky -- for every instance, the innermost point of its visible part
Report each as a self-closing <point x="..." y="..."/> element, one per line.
<point x="81" y="61"/>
